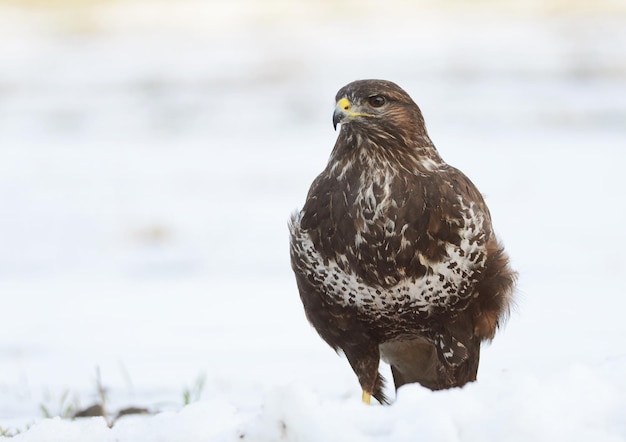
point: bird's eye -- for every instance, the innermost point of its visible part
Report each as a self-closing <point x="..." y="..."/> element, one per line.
<point x="376" y="100"/>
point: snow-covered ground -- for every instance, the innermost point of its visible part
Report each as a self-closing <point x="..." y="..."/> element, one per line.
<point x="152" y="152"/>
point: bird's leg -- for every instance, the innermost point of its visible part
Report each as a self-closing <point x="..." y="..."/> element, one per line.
<point x="364" y="360"/>
<point x="366" y="397"/>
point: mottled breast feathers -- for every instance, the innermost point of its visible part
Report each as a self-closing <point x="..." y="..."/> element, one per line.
<point x="388" y="223"/>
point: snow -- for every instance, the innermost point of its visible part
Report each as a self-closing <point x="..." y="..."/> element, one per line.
<point x="152" y="152"/>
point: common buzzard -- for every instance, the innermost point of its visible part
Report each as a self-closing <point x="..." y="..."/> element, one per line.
<point x="393" y="251"/>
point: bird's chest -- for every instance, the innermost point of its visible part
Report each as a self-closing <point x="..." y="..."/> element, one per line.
<point x="371" y="211"/>
<point x="367" y="227"/>
<point x="384" y="243"/>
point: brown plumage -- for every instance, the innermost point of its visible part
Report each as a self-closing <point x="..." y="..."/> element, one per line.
<point x="393" y="251"/>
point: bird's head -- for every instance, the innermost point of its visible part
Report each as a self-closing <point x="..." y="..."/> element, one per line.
<point x="377" y="105"/>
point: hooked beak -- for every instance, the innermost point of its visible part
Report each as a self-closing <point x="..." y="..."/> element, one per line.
<point x="342" y="109"/>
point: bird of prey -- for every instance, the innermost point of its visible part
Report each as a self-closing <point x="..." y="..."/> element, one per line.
<point x="394" y="253"/>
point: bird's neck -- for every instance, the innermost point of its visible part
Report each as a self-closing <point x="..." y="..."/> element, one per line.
<point x="380" y="151"/>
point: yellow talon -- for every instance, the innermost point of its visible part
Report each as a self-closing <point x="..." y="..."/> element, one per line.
<point x="366" y="397"/>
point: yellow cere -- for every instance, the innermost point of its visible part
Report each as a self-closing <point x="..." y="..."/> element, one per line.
<point x="344" y="103"/>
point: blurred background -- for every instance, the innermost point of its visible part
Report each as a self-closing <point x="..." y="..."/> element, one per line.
<point x="152" y="151"/>
<point x="133" y="133"/>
